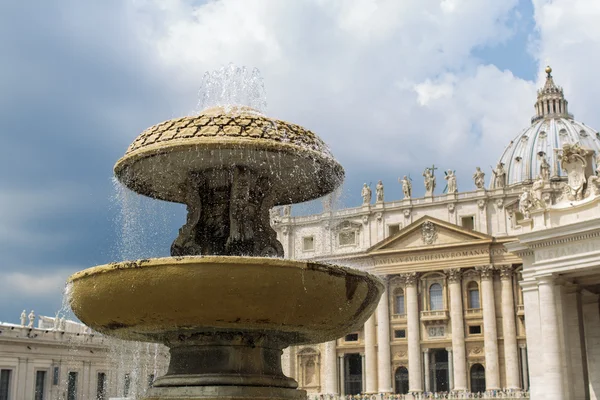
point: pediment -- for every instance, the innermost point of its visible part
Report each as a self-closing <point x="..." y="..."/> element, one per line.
<point x="428" y="232"/>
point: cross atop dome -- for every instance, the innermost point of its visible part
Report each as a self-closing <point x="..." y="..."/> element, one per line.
<point x="551" y="101"/>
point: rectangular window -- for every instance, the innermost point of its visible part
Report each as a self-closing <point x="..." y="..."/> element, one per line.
<point x="101" y="386"/>
<point x="308" y="243"/>
<point x="475" y="330"/>
<point x="72" y="386"/>
<point x="5" y="384"/>
<point x="40" y="383"/>
<point x="468" y="222"/>
<point x="347" y="238"/>
<point x="399" y="304"/>
<point x="474" y="299"/>
<point x="400" y="334"/>
<point x="127" y="385"/>
<point x="352" y="337"/>
<point x="55" y="375"/>
<point x="393" y="229"/>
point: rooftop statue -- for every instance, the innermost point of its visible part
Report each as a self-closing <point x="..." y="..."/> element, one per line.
<point x="366" y="194"/>
<point x="379" y="192"/>
<point x="429" y="180"/>
<point x="479" y="178"/>
<point x="451" y="179"/>
<point x="499" y="176"/>
<point x="406" y="187"/>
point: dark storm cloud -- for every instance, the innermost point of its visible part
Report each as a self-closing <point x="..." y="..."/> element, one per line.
<point x="76" y="87"/>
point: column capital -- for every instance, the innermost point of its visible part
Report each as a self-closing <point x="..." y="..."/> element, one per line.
<point x="410" y="279"/>
<point x="449" y="349"/>
<point x="453" y="274"/>
<point x="486" y="271"/>
<point x="506" y="272"/>
<point x="425" y="350"/>
<point x="523" y="346"/>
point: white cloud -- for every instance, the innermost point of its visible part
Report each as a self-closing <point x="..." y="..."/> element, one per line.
<point x="35" y="285"/>
<point x="352" y="70"/>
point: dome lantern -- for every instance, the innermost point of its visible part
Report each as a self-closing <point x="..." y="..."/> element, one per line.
<point x="551" y="101"/>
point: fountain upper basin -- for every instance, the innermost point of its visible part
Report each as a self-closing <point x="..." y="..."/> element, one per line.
<point x="157" y="299"/>
<point x="160" y="162"/>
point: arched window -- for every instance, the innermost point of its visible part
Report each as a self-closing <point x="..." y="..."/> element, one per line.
<point x="399" y="302"/>
<point x="473" y="292"/>
<point x="435" y="297"/>
<point x="477" y="378"/>
<point x="401" y="378"/>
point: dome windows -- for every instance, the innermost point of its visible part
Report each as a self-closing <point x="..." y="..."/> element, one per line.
<point x="543" y="135"/>
<point x="583" y="133"/>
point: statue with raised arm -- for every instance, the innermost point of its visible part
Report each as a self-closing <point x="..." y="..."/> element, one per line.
<point x="379" y="192"/>
<point x="479" y="178"/>
<point x="406" y="186"/>
<point x="366" y="194"/>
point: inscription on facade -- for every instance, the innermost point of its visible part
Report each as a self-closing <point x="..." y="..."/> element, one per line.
<point x="565" y="251"/>
<point x="439" y="256"/>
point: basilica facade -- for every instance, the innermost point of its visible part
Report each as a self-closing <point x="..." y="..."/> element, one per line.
<point x="454" y="316"/>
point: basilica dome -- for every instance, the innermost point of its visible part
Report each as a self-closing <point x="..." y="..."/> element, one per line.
<point x="551" y="127"/>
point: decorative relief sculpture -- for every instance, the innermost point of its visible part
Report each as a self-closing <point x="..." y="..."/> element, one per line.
<point x="499" y="176"/>
<point x="481" y="204"/>
<point x="573" y="161"/>
<point x="428" y="232"/>
<point x="451" y="178"/>
<point x="451" y="207"/>
<point x="479" y="178"/>
<point x="406" y="213"/>
<point x="379" y="192"/>
<point x="366" y="194"/>
<point x="406" y="186"/>
<point x="532" y="198"/>
<point x="429" y="180"/>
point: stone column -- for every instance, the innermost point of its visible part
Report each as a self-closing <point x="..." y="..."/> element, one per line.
<point x="370" y="356"/>
<point x="591" y="321"/>
<point x="509" y="329"/>
<point x="450" y="369"/>
<point x="552" y="361"/>
<point x="415" y="383"/>
<point x="524" y="368"/>
<point x="458" y="358"/>
<point x="490" y="334"/>
<point x="384" y="360"/>
<point x="533" y="329"/>
<point x="364" y="371"/>
<point x="426" y="368"/>
<point x="330" y="386"/>
<point x="342" y="371"/>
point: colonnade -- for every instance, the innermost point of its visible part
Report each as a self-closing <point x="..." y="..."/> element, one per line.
<point x="377" y="366"/>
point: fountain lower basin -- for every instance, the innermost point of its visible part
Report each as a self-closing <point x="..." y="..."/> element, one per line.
<point x="225" y="319"/>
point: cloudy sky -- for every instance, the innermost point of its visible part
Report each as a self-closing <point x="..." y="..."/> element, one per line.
<point x="392" y="86"/>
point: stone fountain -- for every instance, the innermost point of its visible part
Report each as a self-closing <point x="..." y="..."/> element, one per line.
<point x="226" y="303"/>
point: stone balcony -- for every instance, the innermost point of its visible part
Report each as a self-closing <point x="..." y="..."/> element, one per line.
<point x="433" y="316"/>
<point x="398" y="318"/>
<point x="473" y="313"/>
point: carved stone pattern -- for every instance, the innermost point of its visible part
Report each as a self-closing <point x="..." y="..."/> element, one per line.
<point x="243" y="125"/>
<point x="451" y="207"/>
<point x="410" y="279"/>
<point x="406" y="213"/>
<point x="428" y="232"/>
<point x="481" y="204"/>
<point x="453" y="274"/>
<point x="506" y="271"/>
<point x="487" y="271"/>
<point x="475" y="351"/>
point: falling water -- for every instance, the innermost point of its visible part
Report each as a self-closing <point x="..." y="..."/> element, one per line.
<point x="232" y="86"/>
